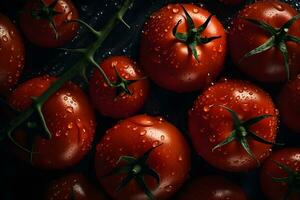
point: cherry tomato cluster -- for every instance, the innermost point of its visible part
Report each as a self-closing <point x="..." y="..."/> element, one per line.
<point x="50" y="123"/>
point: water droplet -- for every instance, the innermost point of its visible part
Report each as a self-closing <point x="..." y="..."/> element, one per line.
<point x="69" y="109"/>
<point x="175" y="10"/>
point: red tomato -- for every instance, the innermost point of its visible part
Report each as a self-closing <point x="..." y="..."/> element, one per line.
<point x="72" y="187"/>
<point x="107" y="100"/>
<point x="169" y="158"/>
<point x="212" y="188"/>
<point x="210" y="125"/>
<point x="273" y="168"/>
<point x="70" y="120"/>
<point x="11" y="55"/>
<point x="244" y="36"/>
<point x="289" y="105"/>
<point x="45" y="32"/>
<point x="170" y="62"/>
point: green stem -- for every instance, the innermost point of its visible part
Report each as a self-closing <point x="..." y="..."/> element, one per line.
<point x="71" y="72"/>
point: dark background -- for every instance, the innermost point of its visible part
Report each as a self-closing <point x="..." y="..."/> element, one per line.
<point x="18" y="180"/>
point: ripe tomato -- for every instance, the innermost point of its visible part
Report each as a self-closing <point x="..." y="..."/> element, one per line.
<point x="70" y="120"/>
<point x="289" y="105"/>
<point x="107" y="99"/>
<point x="280" y="175"/>
<point x="72" y="187"/>
<point x="160" y="150"/>
<point x="45" y="24"/>
<point x="267" y="66"/>
<point x="187" y="58"/>
<point x="11" y="55"/>
<point x="238" y="113"/>
<point x="212" y="188"/>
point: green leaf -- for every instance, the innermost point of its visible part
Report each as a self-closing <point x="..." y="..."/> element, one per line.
<point x="141" y="182"/>
<point x="264" y="47"/>
<point x="293" y="39"/>
<point x="202" y="27"/>
<point x="255" y="120"/>
<point x="206" y="40"/>
<point x="245" y="144"/>
<point x="180" y="36"/>
<point x="262" y="140"/>
<point x="190" y="21"/>
<point x="124" y="182"/>
<point x="192" y="47"/>
<point x="285" y="54"/>
<point x="128" y="159"/>
<point x="43" y="121"/>
<point x="280" y="180"/>
<point x="152" y="173"/>
<point x="145" y="156"/>
<point x="285" y="168"/>
<point x="289" y="23"/>
<point x="228" y="140"/>
<point x="262" y="25"/>
<point x="236" y="121"/>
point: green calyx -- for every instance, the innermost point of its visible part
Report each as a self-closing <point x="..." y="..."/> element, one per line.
<point x="33" y="115"/>
<point x="122" y="85"/>
<point x="292" y="179"/>
<point x="242" y="131"/>
<point x="193" y="37"/>
<point x="279" y="38"/>
<point x="136" y="169"/>
<point x="48" y="13"/>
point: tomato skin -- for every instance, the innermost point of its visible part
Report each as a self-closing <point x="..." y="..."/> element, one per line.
<point x="289" y="104"/>
<point x="12" y="55"/>
<point x="276" y="191"/>
<point x="69" y="117"/>
<point x="209" y="124"/>
<point x="134" y="136"/>
<point x="62" y="189"/>
<point x="104" y="97"/>
<point x="169" y="62"/>
<point x="212" y="188"/>
<point x="39" y="31"/>
<point x="244" y="37"/>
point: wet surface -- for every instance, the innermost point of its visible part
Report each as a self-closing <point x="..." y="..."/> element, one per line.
<point x="20" y="181"/>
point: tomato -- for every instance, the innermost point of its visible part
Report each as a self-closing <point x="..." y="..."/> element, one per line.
<point x="232" y="2"/>
<point x="278" y="167"/>
<point x="289" y="105"/>
<point x="45" y="24"/>
<point x="160" y="150"/>
<point x="69" y="118"/>
<point x="238" y="113"/>
<point x="212" y="188"/>
<point x="244" y="36"/>
<point x="72" y="187"/>
<point x="107" y="99"/>
<point x="11" y="55"/>
<point x="188" y="59"/>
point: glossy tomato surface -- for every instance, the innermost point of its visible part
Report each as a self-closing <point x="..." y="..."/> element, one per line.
<point x="72" y="186"/>
<point x="133" y="137"/>
<point x="209" y="124"/>
<point x="245" y="36"/>
<point x="70" y="120"/>
<point x="169" y="62"/>
<point x="212" y="188"/>
<point x="289" y="105"/>
<point x="38" y="29"/>
<point x="107" y="100"/>
<point x="273" y="190"/>
<point x="12" y="55"/>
